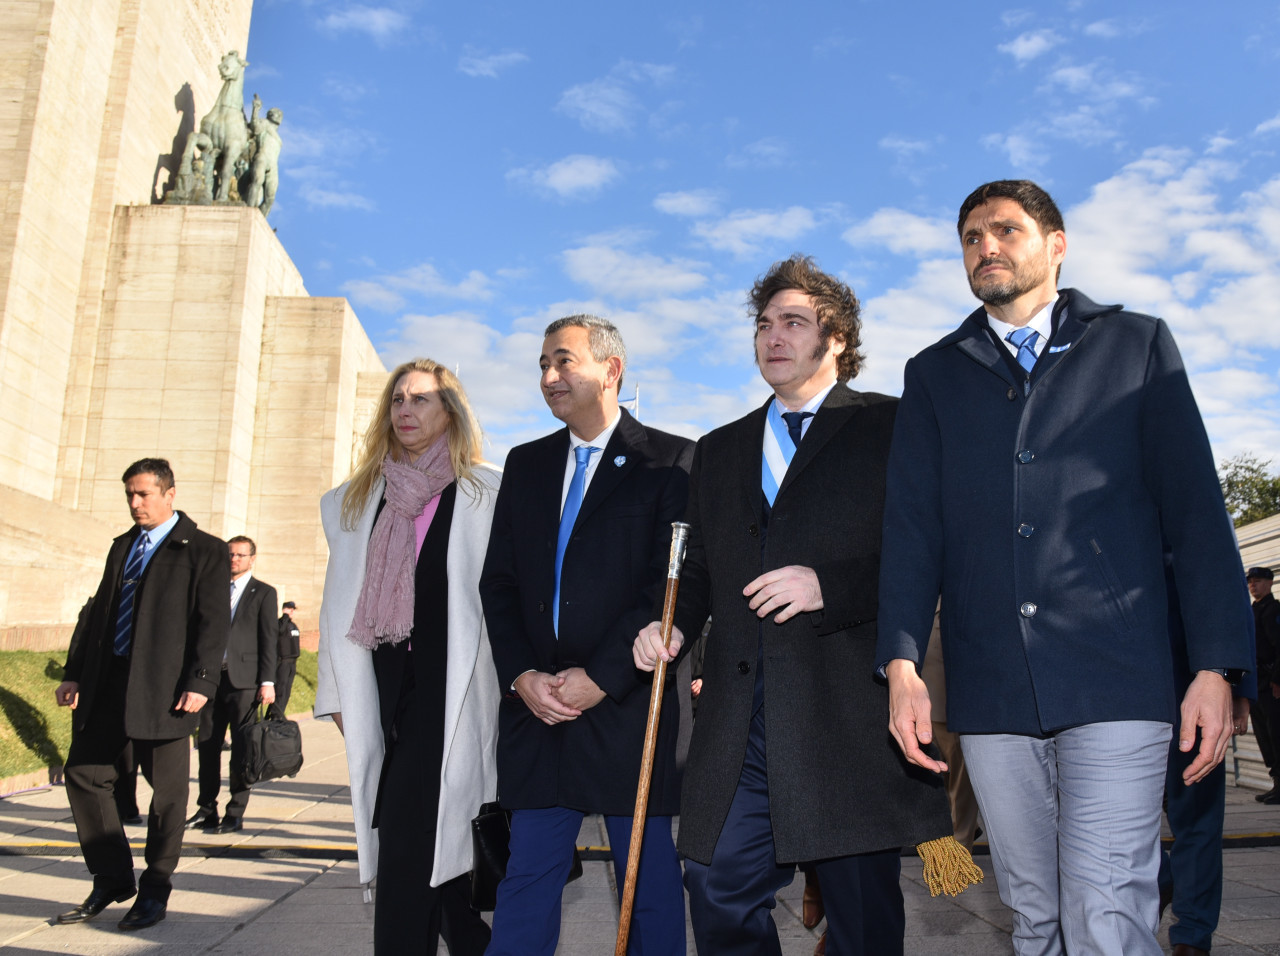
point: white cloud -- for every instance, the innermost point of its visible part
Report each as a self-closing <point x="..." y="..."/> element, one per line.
<point x="696" y="202"/>
<point x="574" y="177"/>
<point x="387" y="293"/>
<point x="1107" y="29"/>
<point x="904" y="148"/>
<point x="345" y="89"/>
<point x="1022" y="151"/>
<point x="616" y="272"/>
<point x="1093" y="81"/>
<point x="767" y="153"/>
<point x="904" y="233"/>
<point x="381" y="23"/>
<point x="1269" y="126"/>
<point x="747" y="232"/>
<point x="334" y="195"/>
<point x="1027" y="46"/>
<point x="610" y="104"/>
<point x="473" y="62"/>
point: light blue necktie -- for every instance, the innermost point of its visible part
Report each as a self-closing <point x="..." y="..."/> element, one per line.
<point x="572" y="504"/>
<point x="1025" y="339"/>
<point x="128" y="585"/>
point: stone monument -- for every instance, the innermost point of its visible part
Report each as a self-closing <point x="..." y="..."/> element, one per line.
<point x="131" y="328"/>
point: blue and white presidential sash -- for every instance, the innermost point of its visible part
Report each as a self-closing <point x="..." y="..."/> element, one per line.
<point x="778" y="451"/>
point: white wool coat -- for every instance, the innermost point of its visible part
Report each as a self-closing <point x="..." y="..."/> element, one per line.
<point x="468" y="775"/>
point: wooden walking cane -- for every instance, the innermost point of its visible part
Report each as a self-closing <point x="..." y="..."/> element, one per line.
<point x="679" y="539"/>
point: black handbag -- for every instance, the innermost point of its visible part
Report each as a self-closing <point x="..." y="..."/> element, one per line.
<point x="491" y="848"/>
<point x="272" y="746"/>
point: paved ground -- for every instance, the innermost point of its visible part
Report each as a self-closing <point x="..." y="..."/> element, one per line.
<point x="288" y="883"/>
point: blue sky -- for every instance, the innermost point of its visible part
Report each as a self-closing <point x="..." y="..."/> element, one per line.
<point x="465" y="173"/>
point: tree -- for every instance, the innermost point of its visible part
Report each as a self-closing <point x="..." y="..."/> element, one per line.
<point x="1251" y="491"/>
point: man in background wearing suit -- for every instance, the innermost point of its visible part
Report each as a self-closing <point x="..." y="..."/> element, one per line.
<point x="146" y="663"/>
<point x="248" y="675"/>
<point x="576" y="565"/>
<point x="290" y="649"/>
<point x="1046" y="454"/>
<point x="784" y="554"/>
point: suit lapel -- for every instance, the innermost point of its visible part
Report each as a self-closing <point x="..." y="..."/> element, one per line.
<point x="627" y="447"/>
<point x="838" y="407"/>
<point x="750" y="451"/>
<point x="1070" y="329"/>
<point x="973" y="339"/>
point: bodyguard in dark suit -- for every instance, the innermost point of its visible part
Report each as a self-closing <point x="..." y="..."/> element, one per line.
<point x="1045" y="455"/>
<point x="784" y="554"/>
<point x="289" y="649"/>
<point x="576" y="565"/>
<point x="145" y="665"/>
<point x="248" y="676"/>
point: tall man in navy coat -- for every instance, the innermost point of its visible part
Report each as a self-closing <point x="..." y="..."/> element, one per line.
<point x="571" y="725"/>
<point x="145" y="664"/>
<point x="1044" y="455"/>
<point x="785" y="510"/>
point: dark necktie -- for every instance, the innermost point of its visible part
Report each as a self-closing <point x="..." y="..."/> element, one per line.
<point x="572" y="504"/>
<point x="1025" y="339"/>
<point x="795" y="422"/>
<point x="129" y="584"/>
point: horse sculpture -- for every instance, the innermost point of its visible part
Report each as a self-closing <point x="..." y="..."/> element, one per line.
<point x="225" y="127"/>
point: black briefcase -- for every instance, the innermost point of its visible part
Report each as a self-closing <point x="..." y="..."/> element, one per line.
<point x="491" y="846"/>
<point x="272" y="746"/>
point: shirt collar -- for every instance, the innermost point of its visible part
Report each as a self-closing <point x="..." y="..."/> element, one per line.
<point x="1041" y="322"/>
<point x="601" y="441"/>
<point x="161" y="531"/>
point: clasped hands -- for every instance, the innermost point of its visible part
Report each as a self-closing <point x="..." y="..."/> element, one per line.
<point x="556" y="698"/>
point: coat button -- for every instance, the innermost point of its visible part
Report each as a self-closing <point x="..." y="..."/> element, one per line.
<point x="1026" y="456"/>
<point x="1012" y="394"/>
<point x="1028" y="609"/>
<point x="1026" y="530"/>
<point x="202" y="673"/>
<point x="753" y="530"/>
<point x="541" y="607"/>
<point x="744" y="667"/>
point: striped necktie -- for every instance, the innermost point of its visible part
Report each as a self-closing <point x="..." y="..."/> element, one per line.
<point x="572" y="504"/>
<point x="124" y="617"/>
<point x="1025" y="340"/>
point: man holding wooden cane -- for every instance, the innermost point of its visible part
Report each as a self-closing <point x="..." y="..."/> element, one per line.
<point x="785" y="514"/>
<point x="577" y="563"/>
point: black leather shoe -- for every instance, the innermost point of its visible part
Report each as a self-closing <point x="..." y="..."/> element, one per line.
<point x="133" y="821"/>
<point x="1272" y="798"/>
<point x="229" y="825"/>
<point x="95" y="903"/>
<point x="143" y="913"/>
<point x="1260" y="797"/>
<point x="203" y="819"/>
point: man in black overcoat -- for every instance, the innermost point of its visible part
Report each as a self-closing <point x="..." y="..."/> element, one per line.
<point x="577" y="562"/>
<point x="147" y="661"/>
<point x="785" y="508"/>
<point x="248" y="676"/>
<point x="289" y="650"/>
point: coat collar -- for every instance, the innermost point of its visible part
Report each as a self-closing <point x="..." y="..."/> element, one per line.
<point x="1074" y="313"/>
<point x="836" y="409"/>
<point x="628" y="446"/>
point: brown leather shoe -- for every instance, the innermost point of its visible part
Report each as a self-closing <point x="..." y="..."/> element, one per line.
<point x="821" y="948"/>
<point x="811" y="908"/>
<point x="1183" y="949"/>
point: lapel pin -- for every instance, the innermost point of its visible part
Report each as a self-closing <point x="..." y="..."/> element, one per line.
<point x="1059" y="348"/>
<point x="620" y="461"/>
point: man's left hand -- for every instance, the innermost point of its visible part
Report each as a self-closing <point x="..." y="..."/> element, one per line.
<point x="792" y="589"/>
<point x="1206" y="706"/>
<point x="190" y="702"/>
<point x="578" y="690"/>
<point x="267" y="694"/>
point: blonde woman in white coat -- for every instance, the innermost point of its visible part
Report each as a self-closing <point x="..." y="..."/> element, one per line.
<point x="405" y="666"/>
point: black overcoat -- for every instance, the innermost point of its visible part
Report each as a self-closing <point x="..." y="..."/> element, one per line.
<point x="1040" y="508"/>
<point x="182" y="613"/>
<point x="613" y="577"/>
<point x="837" y="783"/>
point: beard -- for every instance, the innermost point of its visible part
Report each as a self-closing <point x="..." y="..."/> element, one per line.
<point x="1025" y="276"/>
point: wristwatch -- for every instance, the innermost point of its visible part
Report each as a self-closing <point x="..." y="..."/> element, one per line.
<point x="1232" y="675"/>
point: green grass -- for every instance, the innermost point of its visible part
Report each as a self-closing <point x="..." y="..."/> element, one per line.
<point x="35" y="732"/>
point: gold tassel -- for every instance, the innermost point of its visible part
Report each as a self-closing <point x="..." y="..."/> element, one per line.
<point x="948" y="866"/>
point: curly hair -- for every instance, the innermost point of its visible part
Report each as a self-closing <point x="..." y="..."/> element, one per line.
<point x="833" y="300"/>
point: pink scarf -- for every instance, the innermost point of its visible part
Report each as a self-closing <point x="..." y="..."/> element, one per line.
<point x="384" y="613"/>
